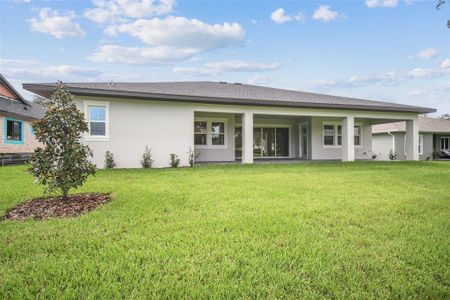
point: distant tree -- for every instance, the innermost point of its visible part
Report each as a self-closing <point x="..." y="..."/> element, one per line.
<point x="63" y="162"/>
<point x="445" y="117"/>
<point x="439" y="5"/>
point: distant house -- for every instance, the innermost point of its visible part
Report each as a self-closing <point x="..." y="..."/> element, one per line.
<point x="228" y="122"/>
<point x="16" y="114"/>
<point x="434" y="139"/>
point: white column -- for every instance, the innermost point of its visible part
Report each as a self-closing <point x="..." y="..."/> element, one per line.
<point x="247" y="138"/>
<point x="348" y="139"/>
<point x="412" y="139"/>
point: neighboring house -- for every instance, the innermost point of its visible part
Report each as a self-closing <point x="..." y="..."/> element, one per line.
<point x="16" y="114"/>
<point x="434" y="139"/>
<point x="227" y="122"/>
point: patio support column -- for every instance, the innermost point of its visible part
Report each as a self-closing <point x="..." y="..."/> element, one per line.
<point x="412" y="139"/>
<point x="348" y="139"/>
<point x="247" y="138"/>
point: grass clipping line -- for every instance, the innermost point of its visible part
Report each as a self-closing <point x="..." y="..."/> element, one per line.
<point x="56" y="207"/>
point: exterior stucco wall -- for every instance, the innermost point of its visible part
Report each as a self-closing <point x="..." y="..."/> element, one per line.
<point x="164" y="126"/>
<point x="168" y="127"/>
<point x="382" y="143"/>
<point x="211" y="154"/>
<point x="319" y="152"/>
<point x="29" y="142"/>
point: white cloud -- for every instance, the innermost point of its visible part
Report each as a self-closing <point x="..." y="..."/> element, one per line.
<point x="324" y="13"/>
<point x="390" y="78"/>
<point x="382" y="3"/>
<point x="279" y="17"/>
<point x="141" y="55"/>
<point x="119" y="10"/>
<point x="169" y="39"/>
<point x="426" y="54"/>
<point x="215" y="68"/>
<point x="54" y="23"/>
<point x="446" y="64"/>
<point x="183" y="32"/>
<point x="11" y="68"/>
<point x="425" y="73"/>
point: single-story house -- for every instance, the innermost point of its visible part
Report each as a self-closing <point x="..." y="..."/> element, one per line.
<point x="16" y="114"/>
<point x="227" y="122"/>
<point x="434" y="139"/>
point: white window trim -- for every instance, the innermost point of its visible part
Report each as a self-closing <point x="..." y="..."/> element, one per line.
<point x="336" y="124"/>
<point x="420" y="144"/>
<point x="209" y="144"/>
<point x="87" y="135"/>
<point x="440" y="142"/>
<point x="275" y="126"/>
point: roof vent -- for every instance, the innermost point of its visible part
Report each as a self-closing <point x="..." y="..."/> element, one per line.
<point x="111" y="83"/>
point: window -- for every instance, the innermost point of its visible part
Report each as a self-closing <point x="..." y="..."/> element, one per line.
<point x="332" y="135"/>
<point x="357" y="135"/>
<point x="405" y="146"/>
<point x="328" y="135"/>
<point x="14" y="131"/>
<point x="97" y="114"/>
<point x="97" y="120"/>
<point x="210" y="133"/>
<point x="200" y="133"/>
<point x="218" y="133"/>
<point x="445" y="143"/>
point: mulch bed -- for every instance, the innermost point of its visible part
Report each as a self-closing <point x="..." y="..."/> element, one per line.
<point x="56" y="207"/>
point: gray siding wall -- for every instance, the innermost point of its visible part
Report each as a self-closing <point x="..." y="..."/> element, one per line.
<point x="382" y="143"/>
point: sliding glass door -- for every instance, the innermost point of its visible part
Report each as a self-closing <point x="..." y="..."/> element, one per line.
<point x="267" y="142"/>
<point x="270" y="142"/>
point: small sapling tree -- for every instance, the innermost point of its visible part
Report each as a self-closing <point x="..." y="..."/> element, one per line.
<point x="109" y="160"/>
<point x="147" y="160"/>
<point x="62" y="162"/>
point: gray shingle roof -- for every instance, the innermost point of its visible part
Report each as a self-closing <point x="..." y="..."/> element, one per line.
<point x="223" y="93"/>
<point x="18" y="109"/>
<point x="426" y="124"/>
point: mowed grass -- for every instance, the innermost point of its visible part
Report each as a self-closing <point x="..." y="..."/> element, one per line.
<point x="318" y="230"/>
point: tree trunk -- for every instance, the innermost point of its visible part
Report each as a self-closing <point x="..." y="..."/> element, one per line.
<point x="65" y="193"/>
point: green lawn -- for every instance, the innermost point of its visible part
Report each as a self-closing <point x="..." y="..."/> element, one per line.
<point x="319" y="230"/>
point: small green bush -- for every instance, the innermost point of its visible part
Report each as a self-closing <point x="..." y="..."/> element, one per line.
<point x="147" y="160"/>
<point x="109" y="160"/>
<point x="174" y="160"/>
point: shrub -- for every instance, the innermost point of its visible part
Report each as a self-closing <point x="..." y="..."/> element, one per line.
<point x="147" y="160"/>
<point x="63" y="162"/>
<point x="109" y="160"/>
<point x="174" y="160"/>
<point x="392" y="155"/>
<point x="192" y="156"/>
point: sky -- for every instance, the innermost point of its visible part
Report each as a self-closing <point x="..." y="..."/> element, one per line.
<point x="389" y="50"/>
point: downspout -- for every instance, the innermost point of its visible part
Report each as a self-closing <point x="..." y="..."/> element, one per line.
<point x="393" y="140"/>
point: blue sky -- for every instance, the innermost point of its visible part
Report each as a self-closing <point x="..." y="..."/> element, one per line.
<point x="392" y="50"/>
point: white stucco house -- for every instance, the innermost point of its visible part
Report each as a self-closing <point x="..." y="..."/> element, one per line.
<point x="228" y="122"/>
<point x="434" y="139"/>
